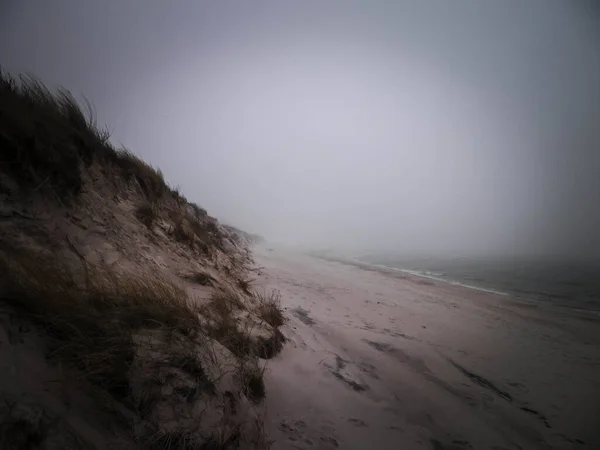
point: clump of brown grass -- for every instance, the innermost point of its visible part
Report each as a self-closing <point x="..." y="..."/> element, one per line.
<point x="224" y="325"/>
<point x="134" y="169"/>
<point x="174" y="440"/>
<point x="178" y="196"/>
<point x="269" y="308"/>
<point x="197" y="233"/>
<point x="245" y="284"/>
<point x="177" y="440"/>
<point x="268" y="347"/>
<point x="225" y="312"/>
<point x="183" y="232"/>
<point x="251" y="377"/>
<point x="226" y="302"/>
<point x="199" y="212"/>
<point x="91" y="323"/>
<point x="191" y="365"/>
<point x="147" y="213"/>
<point x="202" y="278"/>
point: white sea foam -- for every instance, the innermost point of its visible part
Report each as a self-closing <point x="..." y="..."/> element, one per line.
<point x="434" y="276"/>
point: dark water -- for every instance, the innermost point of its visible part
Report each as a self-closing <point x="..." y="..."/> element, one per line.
<point x="570" y="284"/>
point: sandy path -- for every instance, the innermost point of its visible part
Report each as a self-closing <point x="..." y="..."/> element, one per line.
<point x="382" y="360"/>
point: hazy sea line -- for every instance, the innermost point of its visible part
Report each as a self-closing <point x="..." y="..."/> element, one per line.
<point x="567" y="284"/>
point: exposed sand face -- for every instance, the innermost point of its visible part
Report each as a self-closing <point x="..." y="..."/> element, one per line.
<point x="384" y="360"/>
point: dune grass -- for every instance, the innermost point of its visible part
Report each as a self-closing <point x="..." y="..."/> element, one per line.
<point x="223" y="324"/>
<point x="202" y="278"/>
<point x="226" y="312"/>
<point x="252" y="380"/>
<point x="147" y="213"/>
<point x="269" y="308"/>
<point x="91" y="322"/>
<point x="47" y="138"/>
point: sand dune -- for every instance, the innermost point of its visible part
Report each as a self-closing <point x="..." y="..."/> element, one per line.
<point x="383" y="360"/>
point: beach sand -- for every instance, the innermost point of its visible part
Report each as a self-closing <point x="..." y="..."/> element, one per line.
<point x="378" y="359"/>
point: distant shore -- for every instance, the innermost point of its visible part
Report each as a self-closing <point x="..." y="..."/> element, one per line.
<point x="529" y="299"/>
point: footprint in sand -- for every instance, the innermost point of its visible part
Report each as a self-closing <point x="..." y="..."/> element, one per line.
<point x="295" y="432"/>
<point x="357" y="422"/>
<point x="328" y="442"/>
<point x="369" y="369"/>
<point x="303" y="316"/>
<point x="457" y="444"/>
<point x="296" y="435"/>
<point x="343" y="373"/>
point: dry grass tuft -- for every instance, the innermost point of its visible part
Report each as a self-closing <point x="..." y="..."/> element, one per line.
<point x="269" y="308"/>
<point x="91" y="323"/>
<point x="193" y="367"/>
<point x="176" y="440"/>
<point x="178" y="196"/>
<point x="245" y="284"/>
<point x="202" y="278"/>
<point x="199" y="212"/>
<point x="252" y="380"/>
<point x="224" y="312"/>
<point x="134" y="169"/>
<point x="268" y="348"/>
<point x="199" y="234"/>
<point x="226" y="302"/>
<point x="147" y="213"/>
<point x="223" y="325"/>
<point x="183" y="232"/>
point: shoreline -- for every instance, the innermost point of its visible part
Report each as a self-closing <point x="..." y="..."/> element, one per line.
<point x="509" y="297"/>
<point x="436" y="278"/>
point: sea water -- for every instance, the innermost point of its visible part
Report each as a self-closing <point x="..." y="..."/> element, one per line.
<point x="573" y="284"/>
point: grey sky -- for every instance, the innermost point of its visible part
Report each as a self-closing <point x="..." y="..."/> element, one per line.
<point x="434" y="126"/>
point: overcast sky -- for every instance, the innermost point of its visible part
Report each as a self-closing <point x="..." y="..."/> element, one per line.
<point x="450" y="127"/>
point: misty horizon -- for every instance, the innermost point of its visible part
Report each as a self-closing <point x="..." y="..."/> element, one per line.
<point x="409" y="127"/>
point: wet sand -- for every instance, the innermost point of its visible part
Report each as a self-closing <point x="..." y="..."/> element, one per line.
<point x="379" y="359"/>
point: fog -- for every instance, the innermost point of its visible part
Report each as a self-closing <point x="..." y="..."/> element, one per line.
<point x="454" y="128"/>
